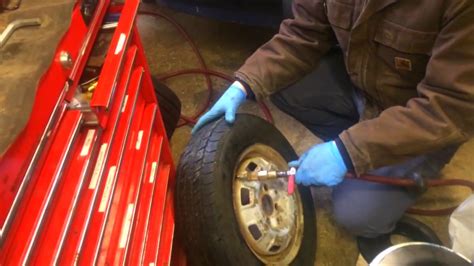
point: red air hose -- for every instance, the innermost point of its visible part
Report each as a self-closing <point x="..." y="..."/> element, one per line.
<point x="262" y="105"/>
<point x="202" y="70"/>
<point x="202" y="63"/>
<point x="404" y="182"/>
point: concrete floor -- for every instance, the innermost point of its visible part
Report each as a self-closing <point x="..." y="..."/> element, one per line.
<point x="225" y="47"/>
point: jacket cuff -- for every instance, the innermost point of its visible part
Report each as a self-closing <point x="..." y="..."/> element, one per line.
<point x="357" y="153"/>
<point x="248" y="90"/>
<point x="344" y="154"/>
<point x="256" y="89"/>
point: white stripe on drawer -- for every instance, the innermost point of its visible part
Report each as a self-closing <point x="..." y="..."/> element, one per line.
<point x="107" y="189"/>
<point x="98" y="166"/>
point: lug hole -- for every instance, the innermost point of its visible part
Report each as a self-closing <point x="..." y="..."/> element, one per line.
<point x="274" y="248"/>
<point x="244" y="196"/>
<point x="251" y="166"/>
<point x="255" y="231"/>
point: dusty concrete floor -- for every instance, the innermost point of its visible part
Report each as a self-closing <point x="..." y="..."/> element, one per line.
<point x="225" y="47"/>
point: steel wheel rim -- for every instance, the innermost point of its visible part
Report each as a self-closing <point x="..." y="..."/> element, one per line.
<point x="270" y="220"/>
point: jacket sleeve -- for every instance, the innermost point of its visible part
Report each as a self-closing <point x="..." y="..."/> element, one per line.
<point x="291" y="53"/>
<point x="441" y="116"/>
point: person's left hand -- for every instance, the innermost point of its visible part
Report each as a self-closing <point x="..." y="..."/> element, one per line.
<point x="322" y="164"/>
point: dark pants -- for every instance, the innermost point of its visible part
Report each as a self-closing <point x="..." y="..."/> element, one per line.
<point x="327" y="103"/>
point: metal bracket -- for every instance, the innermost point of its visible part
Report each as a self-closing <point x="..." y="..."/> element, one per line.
<point x="9" y="5"/>
<point x="87" y="10"/>
<point x="16" y="24"/>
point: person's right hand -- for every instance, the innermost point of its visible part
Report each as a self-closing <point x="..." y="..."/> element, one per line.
<point x="227" y="105"/>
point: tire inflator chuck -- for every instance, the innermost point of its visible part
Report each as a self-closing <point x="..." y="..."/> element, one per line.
<point x="268" y="175"/>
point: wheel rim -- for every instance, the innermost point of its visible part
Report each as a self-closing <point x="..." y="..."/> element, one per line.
<point x="270" y="220"/>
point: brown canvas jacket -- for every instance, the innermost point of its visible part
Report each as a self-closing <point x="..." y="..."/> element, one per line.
<point x="413" y="58"/>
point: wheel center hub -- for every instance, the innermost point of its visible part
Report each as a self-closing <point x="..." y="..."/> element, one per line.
<point x="267" y="205"/>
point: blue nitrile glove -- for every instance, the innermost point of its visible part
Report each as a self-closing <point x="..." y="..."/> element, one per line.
<point x="322" y="164"/>
<point x="227" y="105"/>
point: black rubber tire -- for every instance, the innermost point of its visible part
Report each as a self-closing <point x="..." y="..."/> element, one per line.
<point x="170" y="106"/>
<point x="408" y="227"/>
<point x="205" y="218"/>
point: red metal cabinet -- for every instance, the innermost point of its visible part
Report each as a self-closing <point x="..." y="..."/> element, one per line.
<point x="91" y="183"/>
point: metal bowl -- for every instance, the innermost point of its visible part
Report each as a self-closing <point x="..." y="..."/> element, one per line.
<point x="419" y="254"/>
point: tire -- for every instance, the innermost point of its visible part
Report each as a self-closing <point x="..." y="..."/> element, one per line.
<point x="408" y="227"/>
<point x="205" y="217"/>
<point x="170" y="106"/>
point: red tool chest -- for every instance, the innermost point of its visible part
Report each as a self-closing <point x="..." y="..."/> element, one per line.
<point x="91" y="182"/>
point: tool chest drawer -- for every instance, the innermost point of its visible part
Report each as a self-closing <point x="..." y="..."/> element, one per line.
<point x="96" y="176"/>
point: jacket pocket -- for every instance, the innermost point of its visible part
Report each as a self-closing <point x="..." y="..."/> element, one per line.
<point x="403" y="49"/>
<point x="339" y="14"/>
